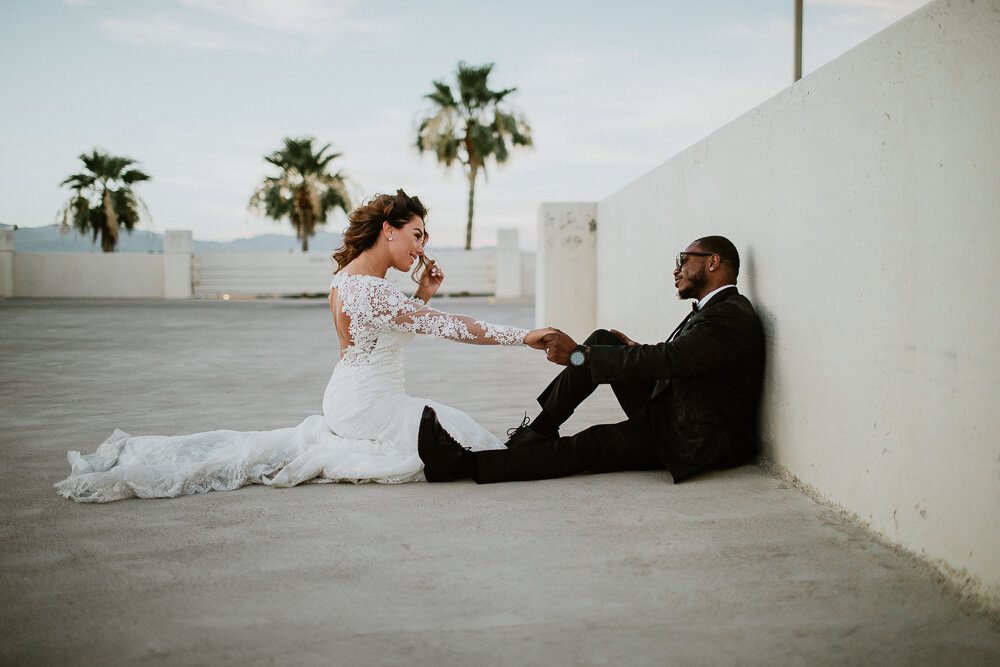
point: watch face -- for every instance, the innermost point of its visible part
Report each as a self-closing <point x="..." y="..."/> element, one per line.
<point x="576" y="358"/>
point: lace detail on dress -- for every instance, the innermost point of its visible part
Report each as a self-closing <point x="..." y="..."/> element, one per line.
<point x="441" y="327"/>
<point x="503" y="335"/>
<point x="376" y="304"/>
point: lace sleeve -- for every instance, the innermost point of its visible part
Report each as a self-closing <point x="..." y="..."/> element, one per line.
<point x="384" y="305"/>
<point x="421" y="318"/>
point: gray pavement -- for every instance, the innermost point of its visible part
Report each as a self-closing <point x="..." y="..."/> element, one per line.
<point x="730" y="568"/>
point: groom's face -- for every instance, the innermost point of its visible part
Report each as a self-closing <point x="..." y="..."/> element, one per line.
<point x="691" y="278"/>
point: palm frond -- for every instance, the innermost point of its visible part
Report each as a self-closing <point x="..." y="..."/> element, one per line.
<point x="304" y="192"/>
<point x="94" y="222"/>
<point x="103" y="199"/>
<point x="472" y="129"/>
<point x="441" y="95"/>
<point x="126" y="207"/>
<point x="79" y="181"/>
<point x="135" y="176"/>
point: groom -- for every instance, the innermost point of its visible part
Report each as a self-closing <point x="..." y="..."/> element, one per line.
<point x="691" y="401"/>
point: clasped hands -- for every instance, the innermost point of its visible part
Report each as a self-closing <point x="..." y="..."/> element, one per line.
<point x="559" y="345"/>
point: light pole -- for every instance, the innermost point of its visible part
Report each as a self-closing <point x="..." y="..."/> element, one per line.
<point x="798" y="40"/>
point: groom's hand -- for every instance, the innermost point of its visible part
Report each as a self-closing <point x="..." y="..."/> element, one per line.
<point x="558" y="347"/>
<point x="625" y="339"/>
<point x="536" y="337"/>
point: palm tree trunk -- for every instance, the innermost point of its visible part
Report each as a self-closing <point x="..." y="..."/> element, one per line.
<point x="473" y="172"/>
<point x="306" y="216"/>
<point x="109" y="235"/>
<point x="308" y="229"/>
<point x="108" y="242"/>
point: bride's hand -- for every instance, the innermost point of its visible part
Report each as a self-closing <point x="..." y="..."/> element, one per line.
<point x="430" y="280"/>
<point x="536" y="337"/>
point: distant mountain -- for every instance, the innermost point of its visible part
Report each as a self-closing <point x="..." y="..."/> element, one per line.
<point x="325" y="242"/>
<point x="51" y="239"/>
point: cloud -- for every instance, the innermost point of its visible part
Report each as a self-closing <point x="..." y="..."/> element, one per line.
<point x="162" y="30"/>
<point x="319" y="19"/>
<point x="241" y="25"/>
<point x="893" y="6"/>
<point x="590" y="114"/>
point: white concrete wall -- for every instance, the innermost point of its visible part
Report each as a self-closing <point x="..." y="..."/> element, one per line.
<point x="565" y="276"/>
<point x="466" y="272"/>
<point x="865" y="201"/>
<point x="88" y="275"/>
<point x="6" y="263"/>
<point x="178" y="246"/>
<point x="177" y="273"/>
<point x="218" y="274"/>
<point x="104" y="275"/>
<point x="507" y="282"/>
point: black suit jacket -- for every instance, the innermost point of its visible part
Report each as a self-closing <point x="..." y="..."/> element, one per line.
<point x="707" y="383"/>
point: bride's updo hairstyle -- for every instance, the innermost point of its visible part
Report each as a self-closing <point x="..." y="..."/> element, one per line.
<point x="366" y="225"/>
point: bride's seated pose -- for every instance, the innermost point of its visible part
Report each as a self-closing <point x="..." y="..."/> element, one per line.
<point x="369" y="426"/>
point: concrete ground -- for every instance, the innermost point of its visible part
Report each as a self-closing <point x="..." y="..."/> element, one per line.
<point x="730" y="568"/>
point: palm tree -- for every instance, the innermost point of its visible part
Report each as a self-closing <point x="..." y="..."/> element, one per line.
<point x="303" y="192"/>
<point x="472" y="128"/>
<point x="104" y="200"/>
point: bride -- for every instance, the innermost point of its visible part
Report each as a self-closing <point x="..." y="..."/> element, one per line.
<point x="368" y="429"/>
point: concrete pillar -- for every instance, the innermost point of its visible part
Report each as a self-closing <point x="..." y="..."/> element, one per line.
<point x="178" y="244"/>
<point x="6" y="263"/>
<point x="508" y="265"/>
<point x="566" y="266"/>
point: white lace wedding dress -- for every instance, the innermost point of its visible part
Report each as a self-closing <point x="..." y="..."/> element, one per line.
<point x="367" y="432"/>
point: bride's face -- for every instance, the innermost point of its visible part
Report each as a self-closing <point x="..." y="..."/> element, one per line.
<point x="407" y="244"/>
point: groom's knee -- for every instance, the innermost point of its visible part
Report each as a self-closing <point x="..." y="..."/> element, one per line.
<point x="602" y="337"/>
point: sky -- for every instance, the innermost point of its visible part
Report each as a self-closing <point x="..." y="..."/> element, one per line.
<point x="199" y="91"/>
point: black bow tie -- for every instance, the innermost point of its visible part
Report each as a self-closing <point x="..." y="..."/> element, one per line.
<point x="694" y="307"/>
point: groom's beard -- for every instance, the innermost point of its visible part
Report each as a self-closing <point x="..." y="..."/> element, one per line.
<point x="694" y="286"/>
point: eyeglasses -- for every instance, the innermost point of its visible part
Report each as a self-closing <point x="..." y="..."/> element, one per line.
<point x="681" y="257"/>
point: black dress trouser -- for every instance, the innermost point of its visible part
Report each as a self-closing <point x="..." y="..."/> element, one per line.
<point x="627" y="445"/>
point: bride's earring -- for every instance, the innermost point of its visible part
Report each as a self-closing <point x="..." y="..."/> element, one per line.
<point x="390" y="238"/>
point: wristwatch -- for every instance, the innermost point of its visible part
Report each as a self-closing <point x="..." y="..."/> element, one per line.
<point x="579" y="355"/>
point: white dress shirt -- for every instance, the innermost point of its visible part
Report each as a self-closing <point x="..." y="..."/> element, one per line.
<point x="704" y="300"/>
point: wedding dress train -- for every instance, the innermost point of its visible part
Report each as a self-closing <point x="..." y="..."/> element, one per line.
<point x="367" y="432"/>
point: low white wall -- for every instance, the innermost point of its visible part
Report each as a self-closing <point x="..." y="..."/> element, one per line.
<point x="177" y="258"/>
<point x="6" y="263"/>
<point x="177" y="273"/>
<point x="865" y="202"/>
<point x="473" y="272"/>
<point x="260" y="273"/>
<point x="88" y="275"/>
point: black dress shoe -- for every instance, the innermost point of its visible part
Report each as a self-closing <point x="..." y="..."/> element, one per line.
<point x="444" y="459"/>
<point x="525" y="436"/>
